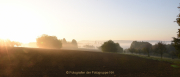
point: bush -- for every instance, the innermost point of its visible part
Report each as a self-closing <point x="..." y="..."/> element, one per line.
<point x="110" y="46"/>
<point x="46" y="41"/>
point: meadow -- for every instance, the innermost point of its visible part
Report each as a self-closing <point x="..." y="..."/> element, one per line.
<point x="166" y="59"/>
<point x="38" y="62"/>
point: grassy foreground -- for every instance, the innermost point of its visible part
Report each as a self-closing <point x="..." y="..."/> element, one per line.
<point x="34" y="62"/>
<point x="170" y="60"/>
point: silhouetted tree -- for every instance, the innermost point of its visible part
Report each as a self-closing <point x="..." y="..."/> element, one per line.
<point x="132" y="50"/>
<point x="140" y="51"/>
<point x="74" y="43"/>
<point x="64" y="41"/>
<point x="120" y="49"/>
<point x="46" y="41"/>
<point x="160" y="48"/>
<point x="148" y="48"/>
<point x="126" y="50"/>
<point x="110" y="46"/>
<point x="178" y="18"/>
<point x="176" y="44"/>
<point x="141" y="47"/>
<point x="9" y="43"/>
<point x="176" y="41"/>
<point x="171" y="50"/>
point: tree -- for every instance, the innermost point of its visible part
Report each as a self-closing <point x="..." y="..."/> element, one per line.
<point x="171" y="50"/>
<point x="160" y="48"/>
<point x="120" y="49"/>
<point x="110" y="46"/>
<point x="9" y="43"/>
<point x="46" y="41"/>
<point x="176" y="41"/>
<point x="64" y="41"/>
<point x="132" y="50"/>
<point x="178" y="18"/>
<point x="141" y="47"/>
<point x="176" y="44"/>
<point x="140" y="51"/>
<point x="148" y="48"/>
<point x="126" y="50"/>
<point x="74" y="43"/>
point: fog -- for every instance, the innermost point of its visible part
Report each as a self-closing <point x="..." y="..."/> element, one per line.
<point x="123" y="43"/>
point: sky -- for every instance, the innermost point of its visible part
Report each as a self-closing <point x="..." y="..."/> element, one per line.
<point x="26" y="20"/>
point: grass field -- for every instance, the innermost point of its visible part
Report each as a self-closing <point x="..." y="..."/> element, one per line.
<point x="170" y="60"/>
<point x="34" y="62"/>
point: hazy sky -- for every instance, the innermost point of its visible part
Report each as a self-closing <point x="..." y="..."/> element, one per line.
<point x="25" y="20"/>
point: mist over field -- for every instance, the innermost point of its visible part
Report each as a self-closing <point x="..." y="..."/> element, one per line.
<point x="96" y="43"/>
<point x="123" y="43"/>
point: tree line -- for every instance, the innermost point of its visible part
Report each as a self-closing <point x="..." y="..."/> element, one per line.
<point x="142" y="48"/>
<point x="9" y="43"/>
<point x="46" y="41"/>
<point x="159" y="49"/>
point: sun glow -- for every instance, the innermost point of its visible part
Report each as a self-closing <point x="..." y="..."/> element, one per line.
<point x="19" y="23"/>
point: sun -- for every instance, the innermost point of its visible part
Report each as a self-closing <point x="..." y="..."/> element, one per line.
<point x="19" y="23"/>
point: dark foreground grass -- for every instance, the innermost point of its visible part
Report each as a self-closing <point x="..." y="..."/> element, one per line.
<point x="170" y="60"/>
<point x="34" y="62"/>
